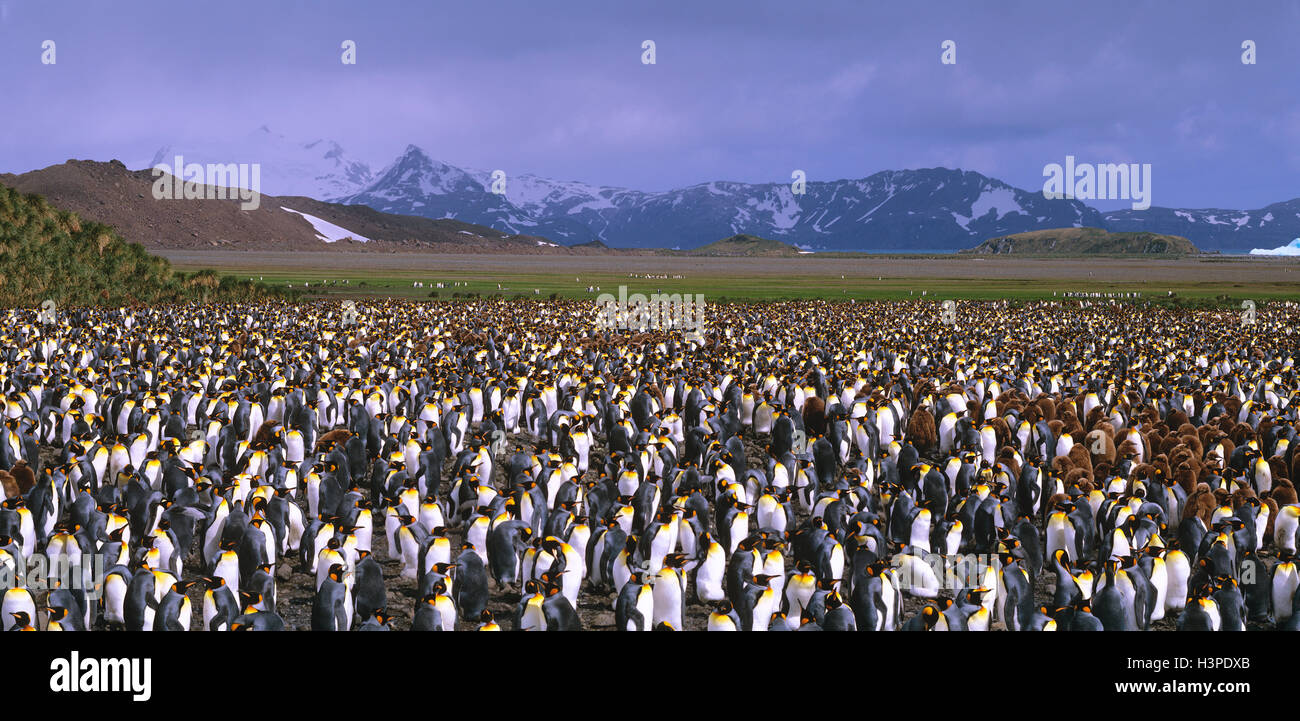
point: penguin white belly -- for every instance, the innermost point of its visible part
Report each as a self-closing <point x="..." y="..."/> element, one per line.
<point x="228" y="568"/>
<point x="447" y="610"/>
<point x="1177" y="572"/>
<point x="708" y="579"/>
<point x="739" y="530"/>
<point x="719" y="622"/>
<point x="668" y="599"/>
<point x="921" y="531"/>
<point x="916" y="576"/>
<point x="1285" y="581"/>
<point x="410" y="552"/>
<point x="947" y="433"/>
<point x="1284" y="528"/>
<point x="1064" y="444"/>
<point x="763" y="608"/>
<point x="798" y="592"/>
<point x="774" y="566"/>
<point x="645" y="605"/>
<point x="893" y="601"/>
<point x="183" y="616"/>
<point x="837" y="561"/>
<point x="115" y="600"/>
<point x="989" y="444"/>
<point x="210" y="612"/>
<point x="1159" y="579"/>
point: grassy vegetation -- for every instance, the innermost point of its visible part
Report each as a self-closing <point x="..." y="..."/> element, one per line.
<point x="518" y="277"/>
<point x="1086" y="241"/>
<point x="47" y="253"/>
<point x="744" y="245"/>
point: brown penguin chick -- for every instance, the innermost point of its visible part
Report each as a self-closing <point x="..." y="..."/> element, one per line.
<point x="1277" y="467"/>
<point x="1283" y="492"/>
<point x="1201" y="504"/>
<point x="1231" y="406"/>
<point x="1241" y="434"/>
<point x="1078" y="477"/>
<point x="1081" y="458"/>
<point x="1031" y="414"/>
<point x="327" y="441"/>
<point x="921" y="431"/>
<point x="814" y="418"/>
<point x="1100" y="443"/>
<point x="1168" y="444"/>
<point x="1162" y="464"/>
<point x="1001" y="430"/>
<point x="1046" y="408"/>
<point x="268" y="433"/>
<point x="1062" y="465"/>
<point x="9" y="485"/>
<point x="1185" y="477"/>
<point x="1176" y="417"/>
<point x="1008" y="457"/>
<point x="24" y="476"/>
<point x="1240" y="496"/>
<point x="1208" y="433"/>
<point x="1193" y="442"/>
<point x="1126" y="448"/>
<point x="1057" y="498"/>
<point x="1072" y="424"/>
<point x="1096" y="416"/>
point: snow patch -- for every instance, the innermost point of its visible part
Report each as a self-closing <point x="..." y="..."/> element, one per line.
<point x="326" y="230"/>
<point x="1001" y="201"/>
<point x="783" y="207"/>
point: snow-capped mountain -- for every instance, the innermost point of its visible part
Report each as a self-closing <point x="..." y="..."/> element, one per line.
<point x="416" y="184"/>
<point x="317" y="169"/>
<point x="932" y="209"/>
<point x="1233" y="231"/>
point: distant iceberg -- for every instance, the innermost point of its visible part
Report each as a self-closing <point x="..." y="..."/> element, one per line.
<point x="1292" y="248"/>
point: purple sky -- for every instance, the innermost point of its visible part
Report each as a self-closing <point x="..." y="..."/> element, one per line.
<point x="746" y="90"/>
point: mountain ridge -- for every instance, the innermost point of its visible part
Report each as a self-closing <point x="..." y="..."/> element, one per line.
<point x="912" y="210"/>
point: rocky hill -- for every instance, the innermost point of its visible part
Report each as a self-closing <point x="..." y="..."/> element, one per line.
<point x="1084" y="241"/>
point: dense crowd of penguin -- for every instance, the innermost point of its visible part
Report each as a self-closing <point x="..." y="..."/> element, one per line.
<point x="503" y="465"/>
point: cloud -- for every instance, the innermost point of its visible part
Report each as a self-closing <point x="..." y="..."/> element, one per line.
<point x="852" y="80"/>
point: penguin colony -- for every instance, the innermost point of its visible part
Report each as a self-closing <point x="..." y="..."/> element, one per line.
<point x="499" y="465"/>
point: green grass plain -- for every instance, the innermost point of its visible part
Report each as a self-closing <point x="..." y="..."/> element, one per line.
<point x="1227" y="279"/>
